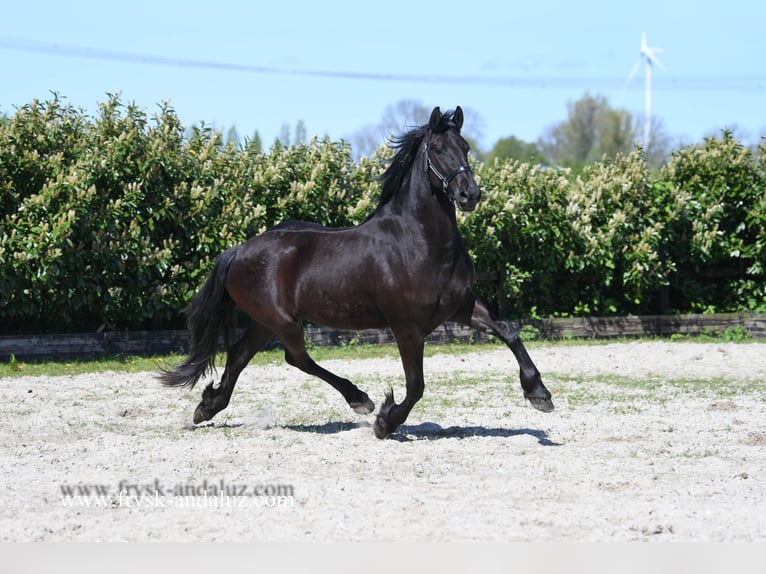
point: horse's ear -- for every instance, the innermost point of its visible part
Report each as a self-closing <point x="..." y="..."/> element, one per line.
<point x="436" y="116"/>
<point x="458" y="118"/>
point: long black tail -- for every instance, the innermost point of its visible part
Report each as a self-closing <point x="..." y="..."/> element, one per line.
<point x="210" y="312"/>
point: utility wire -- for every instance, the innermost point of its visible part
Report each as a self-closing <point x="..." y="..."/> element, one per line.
<point x="733" y="83"/>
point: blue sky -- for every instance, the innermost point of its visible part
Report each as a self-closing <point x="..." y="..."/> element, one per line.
<point x="517" y="64"/>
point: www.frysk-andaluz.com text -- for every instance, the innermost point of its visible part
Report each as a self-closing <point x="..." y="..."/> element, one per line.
<point x="157" y="494"/>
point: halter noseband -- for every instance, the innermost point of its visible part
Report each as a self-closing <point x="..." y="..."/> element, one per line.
<point x="445" y="180"/>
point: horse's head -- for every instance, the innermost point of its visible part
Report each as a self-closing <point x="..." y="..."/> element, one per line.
<point x="447" y="153"/>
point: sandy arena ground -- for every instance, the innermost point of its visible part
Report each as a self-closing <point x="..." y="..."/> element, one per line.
<point x="649" y="441"/>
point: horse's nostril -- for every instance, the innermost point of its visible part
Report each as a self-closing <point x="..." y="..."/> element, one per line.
<point x="468" y="195"/>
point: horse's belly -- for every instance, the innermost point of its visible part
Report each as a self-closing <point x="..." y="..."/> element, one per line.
<point x="341" y="311"/>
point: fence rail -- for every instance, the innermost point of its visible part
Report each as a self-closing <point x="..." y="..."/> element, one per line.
<point x="146" y="343"/>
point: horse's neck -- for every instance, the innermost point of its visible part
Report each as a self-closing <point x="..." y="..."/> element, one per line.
<point x="432" y="212"/>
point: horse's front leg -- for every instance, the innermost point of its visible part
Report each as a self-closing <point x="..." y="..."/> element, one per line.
<point x="479" y="317"/>
<point x="410" y="342"/>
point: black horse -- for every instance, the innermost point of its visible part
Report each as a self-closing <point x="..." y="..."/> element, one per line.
<point x="405" y="267"/>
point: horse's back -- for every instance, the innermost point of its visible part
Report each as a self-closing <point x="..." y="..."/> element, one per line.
<point x="308" y="271"/>
<point x="306" y="226"/>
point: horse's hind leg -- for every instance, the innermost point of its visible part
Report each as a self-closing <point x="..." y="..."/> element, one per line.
<point x="296" y="355"/>
<point x="215" y="399"/>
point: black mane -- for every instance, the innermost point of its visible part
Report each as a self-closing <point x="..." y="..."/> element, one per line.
<point x="407" y="147"/>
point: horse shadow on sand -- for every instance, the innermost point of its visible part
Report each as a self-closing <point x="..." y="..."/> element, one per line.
<point x="429" y="431"/>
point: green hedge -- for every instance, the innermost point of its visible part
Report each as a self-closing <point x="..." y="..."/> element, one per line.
<point x="113" y="222"/>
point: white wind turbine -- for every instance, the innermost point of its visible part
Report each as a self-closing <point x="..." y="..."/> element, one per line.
<point x="649" y="56"/>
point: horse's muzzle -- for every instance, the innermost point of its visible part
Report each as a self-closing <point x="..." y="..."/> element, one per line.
<point x="468" y="198"/>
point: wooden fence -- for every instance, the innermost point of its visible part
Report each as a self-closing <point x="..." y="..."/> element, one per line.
<point x="147" y="343"/>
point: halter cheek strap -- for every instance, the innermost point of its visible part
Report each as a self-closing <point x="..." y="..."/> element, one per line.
<point x="445" y="180"/>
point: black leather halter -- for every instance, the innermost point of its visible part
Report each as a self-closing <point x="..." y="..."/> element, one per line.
<point x="445" y="180"/>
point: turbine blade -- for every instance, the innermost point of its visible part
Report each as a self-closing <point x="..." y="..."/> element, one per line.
<point x="651" y="55"/>
<point x="632" y="74"/>
<point x="659" y="62"/>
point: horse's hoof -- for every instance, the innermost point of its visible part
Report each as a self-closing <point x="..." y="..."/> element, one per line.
<point x="363" y="408"/>
<point x="544" y="405"/>
<point x="380" y="428"/>
<point x="200" y="415"/>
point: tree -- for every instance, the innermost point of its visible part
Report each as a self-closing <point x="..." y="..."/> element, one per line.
<point x="254" y="144"/>
<point x="403" y="116"/>
<point x="615" y="133"/>
<point x="300" y="133"/>
<point x="396" y="119"/>
<point x="592" y="129"/>
<point x="660" y="145"/>
<point x="232" y="137"/>
<point x="284" y="135"/>
<point x="515" y="148"/>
